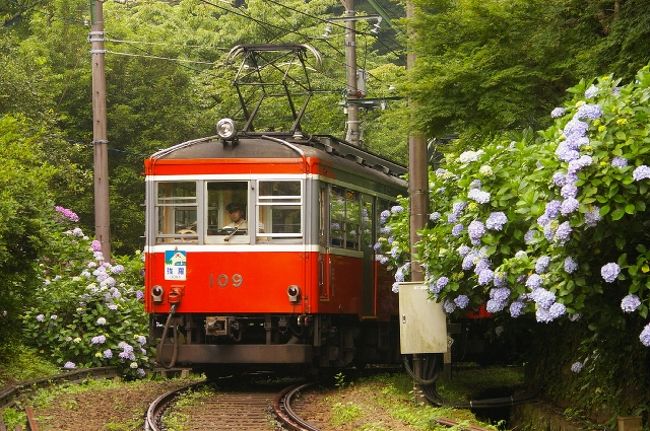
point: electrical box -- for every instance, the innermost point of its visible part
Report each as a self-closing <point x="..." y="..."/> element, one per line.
<point x="423" y="323"/>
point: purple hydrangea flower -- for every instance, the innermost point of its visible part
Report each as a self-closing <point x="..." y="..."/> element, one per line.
<point x="481" y="265"/>
<point x="557" y="112"/>
<point x="40" y="318"/>
<point x="576" y="367"/>
<point x="485" y="277"/>
<point x="566" y="153"/>
<point x="563" y="232"/>
<point x="641" y="173"/>
<point x="644" y="337"/>
<point x="476" y="230"/>
<point x="569" y="205"/>
<point x="462" y="301"/>
<point x="100" y="339"/>
<point x="458" y="207"/>
<point x="610" y="271"/>
<point x="108" y="354"/>
<point x="463" y="250"/>
<point x="494" y="306"/>
<point x="67" y="213"/>
<point x="96" y="245"/>
<point x="543" y="220"/>
<point x="569" y="190"/>
<point x="449" y="306"/>
<point x="441" y="283"/>
<point x="549" y="232"/>
<point x="69" y="365"/>
<point x="543" y="316"/>
<point x="591" y="92"/>
<point x="552" y="209"/>
<point x="468" y="261"/>
<point x="576" y="166"/>
<point x="557" y="310"/>
<point x="542" y="264"/>
<point x="589" y="111"/>
<point x="542" y="297"/>
<point x="575" y="128"/>
<point x="500" y="294"/>
<point x="534" y="281"/>
<point x="559" y="179"/>
<point x="592" y="217"/>
<point x="140" y="294"/>
<point x="479" y="196"/>
<point x="117" y="269"/>
<point x="517" y="309"/>
<point x="396" y="209"/>
<point x="500" y="280"/>
<point x="496" y="220"/>
<point x="435" y="216"/>
<point x="630" y="303"/>
<point x="529" y="236"/>
<point x="383" y="217"/>
<point x="457" y="230"/>
<point x="570" y="265"/>
<point x="619" y="162"/>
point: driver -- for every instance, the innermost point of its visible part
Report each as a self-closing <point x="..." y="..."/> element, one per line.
<point x="237" y="219"/>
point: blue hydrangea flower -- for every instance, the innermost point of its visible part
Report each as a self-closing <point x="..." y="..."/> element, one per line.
<point x="549" y="232"/>
<point x="529" y="236"/>
<point x="479" y="196"/>
<point x="500" y="294"/>
<point x="556" y="310"/>
<point x="542" y="264"/>
<point x="435" y="216"/>
<point x="570" y="265"/>
<point x="644" y="337"/>
<point x="576" y="367"/>
<point x="396" y="209"/>
<point x="383" y="217"/>
<point x="449" y="306"/>
<point x="569" y="190"/>
<point x="569" y="205"/>
<point x="563" y="232"/>
<point x="117" y="269"/>
<point x="517" y="309"/>
<point x="485" y="277"/>
<point x="468" y="261"/>
<point x="386" y="230"/>
<point x="610" y="271"/>
<point x="641" y="173"/>
<point x="534" y="281"/>
<point x="543" y="316"/>
<point x="592" y="217"/>
<point x="557" y="112"/>
<point x="476" y="230"/>
<point x="552" y="209"/>
<point x="591" y="92"/>
<point x="402" y="272"/>
<point x="481" y="265"/>
<point x="619" y="162"/>
<point x="496" y="220"/>
<point x="543" y="298"/>
<point x="500" y="280"/>
<point x="442" y="283"/>
<point x="462" y="301"/>
<point x="565" y="153"/>
<point x="458" y="207"/>
<point x="463" y="250"/>
<point x="575" y="128"/>
<point x="589" y="111"/>
<point x="494" y="306"/>
<point x="559" y="179"/>
<point x="457" y="230"/>
<point x="543" y="220"/>
<point x="576" y="166"/>
<point x="395" y="288"/>
<point x="630" y="303"/>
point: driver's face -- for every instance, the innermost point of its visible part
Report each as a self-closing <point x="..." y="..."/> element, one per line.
<point x="235" y="215"/>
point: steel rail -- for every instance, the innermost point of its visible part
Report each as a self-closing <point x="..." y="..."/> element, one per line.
<point x="285" y="413"/>
<point x="160" y="404"/>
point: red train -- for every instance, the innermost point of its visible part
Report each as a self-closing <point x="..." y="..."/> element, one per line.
<point x="260" y="252"/>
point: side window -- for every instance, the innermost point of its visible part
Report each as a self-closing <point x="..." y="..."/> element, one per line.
<point x="367" y="238"/>
<point x="227" y="210"/>
<point x="352" y="219"/>
<point x="279" y="206"/>
<point x="176" y="212"/>
<point x="337" y="217"/>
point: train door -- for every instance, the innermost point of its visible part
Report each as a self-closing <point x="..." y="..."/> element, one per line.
<point x="323" y="244"/>
<point x="368" y="291"/>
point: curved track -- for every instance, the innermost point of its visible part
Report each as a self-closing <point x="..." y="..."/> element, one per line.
<point x="235" y="409"/>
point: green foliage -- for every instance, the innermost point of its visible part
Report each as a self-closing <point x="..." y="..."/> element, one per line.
<point x="345" y="413"/>
<point x="518" y="181"/>
<point x="20" y="362"/>
<point x="88" y="312"/>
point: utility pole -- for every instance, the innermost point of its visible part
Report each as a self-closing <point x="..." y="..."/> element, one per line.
<point x="100" y="140"/>
<point x="352" y="134"/>
<point x="418" y="192"/>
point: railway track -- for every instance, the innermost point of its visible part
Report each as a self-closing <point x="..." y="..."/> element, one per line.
<point x="254" y="408"/>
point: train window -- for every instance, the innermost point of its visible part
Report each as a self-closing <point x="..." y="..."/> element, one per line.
<point x="367" y="239"/>
<point x="337" y="217"/>
<point x="279" y="206"/>
<point x="227" y="210"/>
<point x="176" y="210"/>
<point x="352" y="219"/>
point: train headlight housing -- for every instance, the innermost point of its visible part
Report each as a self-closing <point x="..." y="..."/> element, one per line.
<point x="293" y="292"/>
<point x="226" y="128"/>
<point x="157" y="294"/>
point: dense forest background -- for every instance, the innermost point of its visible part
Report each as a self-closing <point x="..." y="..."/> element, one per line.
<point x="484" y="68"/>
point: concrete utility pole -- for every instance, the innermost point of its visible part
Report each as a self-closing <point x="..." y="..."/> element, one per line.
<point x="418" y="192"/>
<point x="352" y="134"/>
<point x="100" y="140"/>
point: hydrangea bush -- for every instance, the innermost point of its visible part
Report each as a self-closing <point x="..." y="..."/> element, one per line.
<point x="88" y="312"/>
<point x="552" y="225"/>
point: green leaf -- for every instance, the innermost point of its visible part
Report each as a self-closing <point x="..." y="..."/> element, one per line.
<point x="630" y="208"/>
<point x="618" y="214"/>
<point x="604" y="210"/>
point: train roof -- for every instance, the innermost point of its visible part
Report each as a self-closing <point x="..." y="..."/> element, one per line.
<point x="260" y="145"/>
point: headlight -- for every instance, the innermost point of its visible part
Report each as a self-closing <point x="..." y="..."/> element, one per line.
<point x="226" y="128"/>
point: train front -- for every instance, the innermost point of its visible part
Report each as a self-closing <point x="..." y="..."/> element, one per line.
<point x="227" y="258"/>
